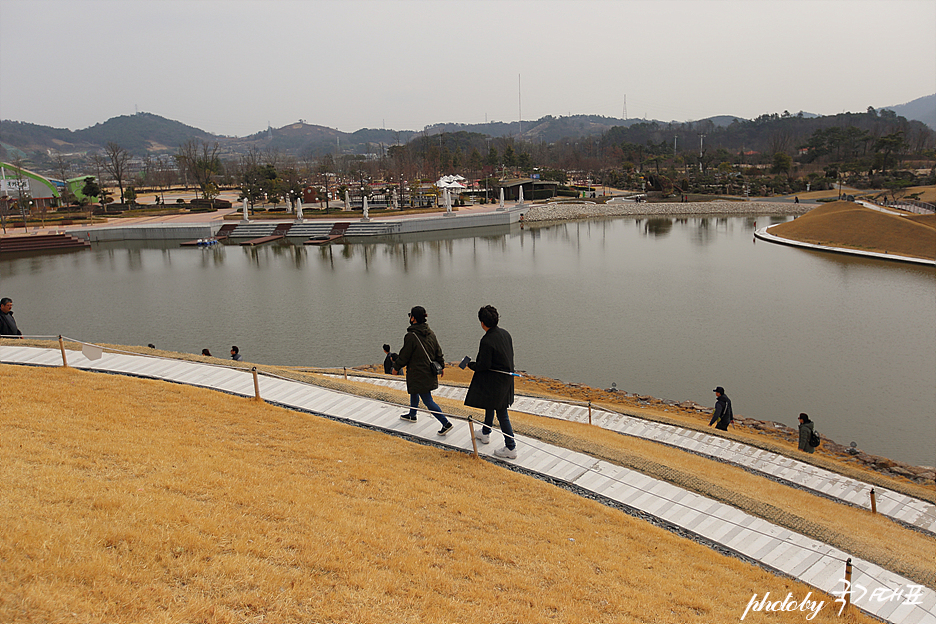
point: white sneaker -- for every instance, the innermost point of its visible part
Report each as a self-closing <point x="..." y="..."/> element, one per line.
<point x="506" y="453"/>
<point x="484" y="438"/>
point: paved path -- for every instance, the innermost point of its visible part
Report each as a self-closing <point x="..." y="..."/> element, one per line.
<point x="812" y="562"/>
<point x="912" y="511"/>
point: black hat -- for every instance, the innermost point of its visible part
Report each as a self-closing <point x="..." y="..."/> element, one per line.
<point x="719" y="390"/>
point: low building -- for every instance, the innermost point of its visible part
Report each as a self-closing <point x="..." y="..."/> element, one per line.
<point x="16" y="182"/>
<point x="533" y="188"/>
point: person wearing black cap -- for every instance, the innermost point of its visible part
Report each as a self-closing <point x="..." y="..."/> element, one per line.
<point x="723" y="414"/>
<point x="419" y="351"/>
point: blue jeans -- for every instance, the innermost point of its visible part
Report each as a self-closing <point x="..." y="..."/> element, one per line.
<point x="504" y="423"/>
<point x="432" y="405"/>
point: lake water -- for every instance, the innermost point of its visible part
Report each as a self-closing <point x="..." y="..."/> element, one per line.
<point x="665" y="307"/>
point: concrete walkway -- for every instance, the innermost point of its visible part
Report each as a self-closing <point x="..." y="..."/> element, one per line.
<point x="906" y="509"/>
<point x="776" y="548"/>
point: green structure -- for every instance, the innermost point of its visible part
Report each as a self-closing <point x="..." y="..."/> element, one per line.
<point x="16" y="182"/>
<point x="75" y="185"/>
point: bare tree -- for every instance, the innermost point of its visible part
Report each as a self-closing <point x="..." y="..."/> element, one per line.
<point x="61" y="169"/>
<point x="99" y="163"/>
<point x="200" y="160"/>
<point x="116" y="162"/>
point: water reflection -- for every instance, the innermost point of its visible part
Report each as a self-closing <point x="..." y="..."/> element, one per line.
<point x="658" y="226"/>
<point x="641" y="302"/>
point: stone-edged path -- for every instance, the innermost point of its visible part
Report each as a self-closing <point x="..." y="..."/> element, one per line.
<point x="917" y="513"/>
<point x="779" y="549"/>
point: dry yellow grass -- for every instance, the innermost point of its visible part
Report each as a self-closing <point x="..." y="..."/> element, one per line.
<point x="844" y="224"/>
<point x="129" y="500"/>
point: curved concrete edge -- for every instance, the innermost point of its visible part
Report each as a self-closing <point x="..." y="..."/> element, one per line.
<point x="778" y="549"/>
<point x="763" y="234"/>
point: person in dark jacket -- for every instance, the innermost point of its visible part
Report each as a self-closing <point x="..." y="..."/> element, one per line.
<point x="388" y="360"/>
<point x="420" y="349"/>
<point x="7" y="322"/>
<point x="492" y="385"/>
<point x="235" y="354"/>
<point x="722" y="414"/>
<point x="806" y="428"/>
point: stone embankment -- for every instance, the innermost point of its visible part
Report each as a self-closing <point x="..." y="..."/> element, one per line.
<point x="584" y="210"/>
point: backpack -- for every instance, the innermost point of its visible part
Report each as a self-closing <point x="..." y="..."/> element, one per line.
<point x="814" y="440"/>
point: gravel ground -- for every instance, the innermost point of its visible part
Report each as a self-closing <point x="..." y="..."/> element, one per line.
<point x="564" y="212"/>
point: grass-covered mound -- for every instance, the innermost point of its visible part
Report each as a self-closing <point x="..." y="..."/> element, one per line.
<point x="129" y="500"/>
<point x="846" y="224"/>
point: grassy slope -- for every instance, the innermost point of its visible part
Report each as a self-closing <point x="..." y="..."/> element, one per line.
<point x="844" y="224"/>
<point x="135" y="500"/>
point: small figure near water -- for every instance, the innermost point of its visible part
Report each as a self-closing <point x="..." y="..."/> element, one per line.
<point x="807" y="434"/>
<point x="206" y="352"/>
<point x="422" y="357"/>
<point x="235" y="354"/>
<point x="7" y="322"/>
<point x="723" y="413"/>
<point x="388" y="360"/>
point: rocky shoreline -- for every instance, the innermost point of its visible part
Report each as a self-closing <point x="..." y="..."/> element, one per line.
<point x="585" y="210"/>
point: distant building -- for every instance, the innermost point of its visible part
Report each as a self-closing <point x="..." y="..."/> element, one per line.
<point x="15" y="181"/>
<point x="532" y="188"/>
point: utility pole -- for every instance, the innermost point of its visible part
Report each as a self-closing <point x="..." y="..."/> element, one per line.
<point x="701" y="136"/>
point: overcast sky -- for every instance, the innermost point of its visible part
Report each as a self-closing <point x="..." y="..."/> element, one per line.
<point x="231" y="67"/>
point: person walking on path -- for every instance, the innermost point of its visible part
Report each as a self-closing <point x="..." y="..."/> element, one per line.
<point x="7" y="322"/>
<point x="722" y="414"/>
<point x="492" y="385"/>
<point x="420" y="354"/>
<point x="806" y="429"/>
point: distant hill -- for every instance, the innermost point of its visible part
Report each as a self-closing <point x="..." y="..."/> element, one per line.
<point x="309" y="139"/>
<point x="147" y="133"/>
<point x="921" y="109"/>
<point x="139" y="134"/>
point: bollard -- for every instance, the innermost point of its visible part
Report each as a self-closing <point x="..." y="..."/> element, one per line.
<point x="474" y="441"/>
<point x="873" y="502"/>
<point x="848" y="575"/>
<point x="256" y="384"/>
<point x="589" y="413"/>
<point x="62" y="349"/>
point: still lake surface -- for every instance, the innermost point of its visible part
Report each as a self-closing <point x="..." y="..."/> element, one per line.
<point x="665" y="307"/>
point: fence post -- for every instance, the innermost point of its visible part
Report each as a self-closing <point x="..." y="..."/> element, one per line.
<point x="346" y="373"/>
<point x="256" y="384"/>
<point x="62" y="349"/>
<point x="873" y="502"/>
<point x="474" y="442"/>
<point x="848" y="585"/>
<point x="589" y="413"/>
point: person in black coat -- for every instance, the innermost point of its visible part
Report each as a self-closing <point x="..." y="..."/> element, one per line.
<point x="420" y="349"/>
<point x="492" y="385"/>
<point x="722" y="414"/>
